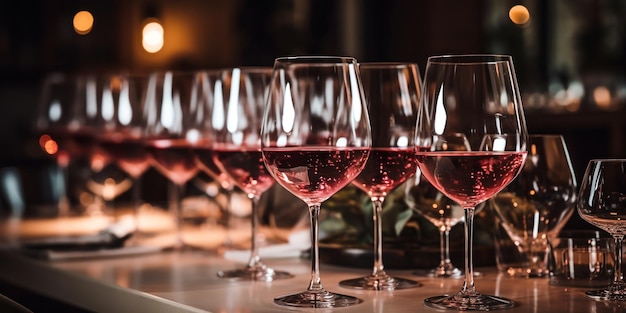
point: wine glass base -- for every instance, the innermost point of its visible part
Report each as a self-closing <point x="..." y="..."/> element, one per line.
<point x="254" y="274"/>
<point x="457" y="273"/>
<point x="379" y="283"/>
<point x="606" y="295"/>
<point x="475" y="302"/>
<point x="319" y="299"/>
<point x="437" y="273"/>
<point x="526" y="272"/>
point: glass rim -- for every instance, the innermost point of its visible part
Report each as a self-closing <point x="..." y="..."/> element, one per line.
<point x="547" y="135"/>
<point x="388" y="64"/>
<point x="607" y="160"/>
<point x="316" y="59"/>
<point x="247" y="68"/>
<point x="582" y="234"/>
<point x="470" y="59"/>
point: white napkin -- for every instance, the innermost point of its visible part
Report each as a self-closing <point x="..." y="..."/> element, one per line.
<point x="297" y="242"/>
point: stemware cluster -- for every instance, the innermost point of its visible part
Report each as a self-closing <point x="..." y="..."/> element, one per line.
<point x="315" y="124"/>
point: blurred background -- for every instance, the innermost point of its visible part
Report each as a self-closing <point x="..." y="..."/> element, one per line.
<point x="569" y="54"/>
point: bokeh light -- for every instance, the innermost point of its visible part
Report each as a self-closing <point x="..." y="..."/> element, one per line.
<point x="152" y="37"/>
<point x="48" y="144"/>
<point x="519" y="15"/>
<point x="83" y="22"/>
<point x="602" y="97"/>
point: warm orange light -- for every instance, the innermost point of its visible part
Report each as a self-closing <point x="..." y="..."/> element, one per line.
<point x="50" y="147"/>
<point x="83" y="22"/>
<point x="152" y="37"/>
<point x="602" y="96"/>
<point x="519" y="15"/>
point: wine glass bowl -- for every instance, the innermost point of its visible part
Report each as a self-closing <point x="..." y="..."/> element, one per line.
<point x="602" y="203"/>
<point x="392" y="92"/>
<point x="315" y="139"/>
<point x="477" y="96"/>
<point x="534" y="207"/>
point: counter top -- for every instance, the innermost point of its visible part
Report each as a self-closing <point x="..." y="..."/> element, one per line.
<point x="187" y="282"/>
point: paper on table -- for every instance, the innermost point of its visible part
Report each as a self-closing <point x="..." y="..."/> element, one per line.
<point x="297" y="242"/>
<point x="54" y="255"/>
<point x="106" y="243"/>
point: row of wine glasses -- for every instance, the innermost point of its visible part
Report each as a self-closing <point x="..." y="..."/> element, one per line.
<point x="67" y="121"/>
<point x="317" y="135"/>
<point x="179" y="122"/>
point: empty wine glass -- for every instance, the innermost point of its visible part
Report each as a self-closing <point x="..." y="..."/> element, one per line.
<point x="602" y="203"/>
<point x="477" y="96"/>
<point x="438" y="209"/>
<point x="315" y="140"/>
<point x="392" y="92"/>
<point x="534" y="207"/>
<point x="171" y="99"/>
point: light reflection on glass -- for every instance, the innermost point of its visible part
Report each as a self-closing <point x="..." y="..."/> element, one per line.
<point x="440" y="114"/>
<point x="233" y="102"/>
<point x="218" y="107"/>
<point x="288" y="119"/>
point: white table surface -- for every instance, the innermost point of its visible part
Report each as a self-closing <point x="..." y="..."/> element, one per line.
<point x="187" y="282"/>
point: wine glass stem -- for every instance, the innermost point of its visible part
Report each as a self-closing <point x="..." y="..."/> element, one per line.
<point x="316" y="281"/>
<point x="136" y="201"/>
<point x="618" y="277"/>
<point x="228" y="217"/>
<point x="468" y="284"/>
<point x="444" y="243"/>
<point x="378" y="236"/>
<point x="255" y="259"/>
<point x="64" y="202"/>
<point x="177" y="206"/>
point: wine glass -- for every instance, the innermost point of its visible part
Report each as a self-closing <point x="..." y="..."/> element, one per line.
<point x="477" y="96"/>
<point x="315" y="139"/>
<point x="438" y="209"/>
<point x="54" y="115"/>
<point x="237" y="109"/>
<point x="80" y="139"/>
<point x="171" y="98"/>
<point x="120" y="133"/>
<point x="98" y="176"/>
<point x="535" y="206"/>
<point x="602" y="203"/>
<point x="392" y="92"/>
<point x="212" y="90"/>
